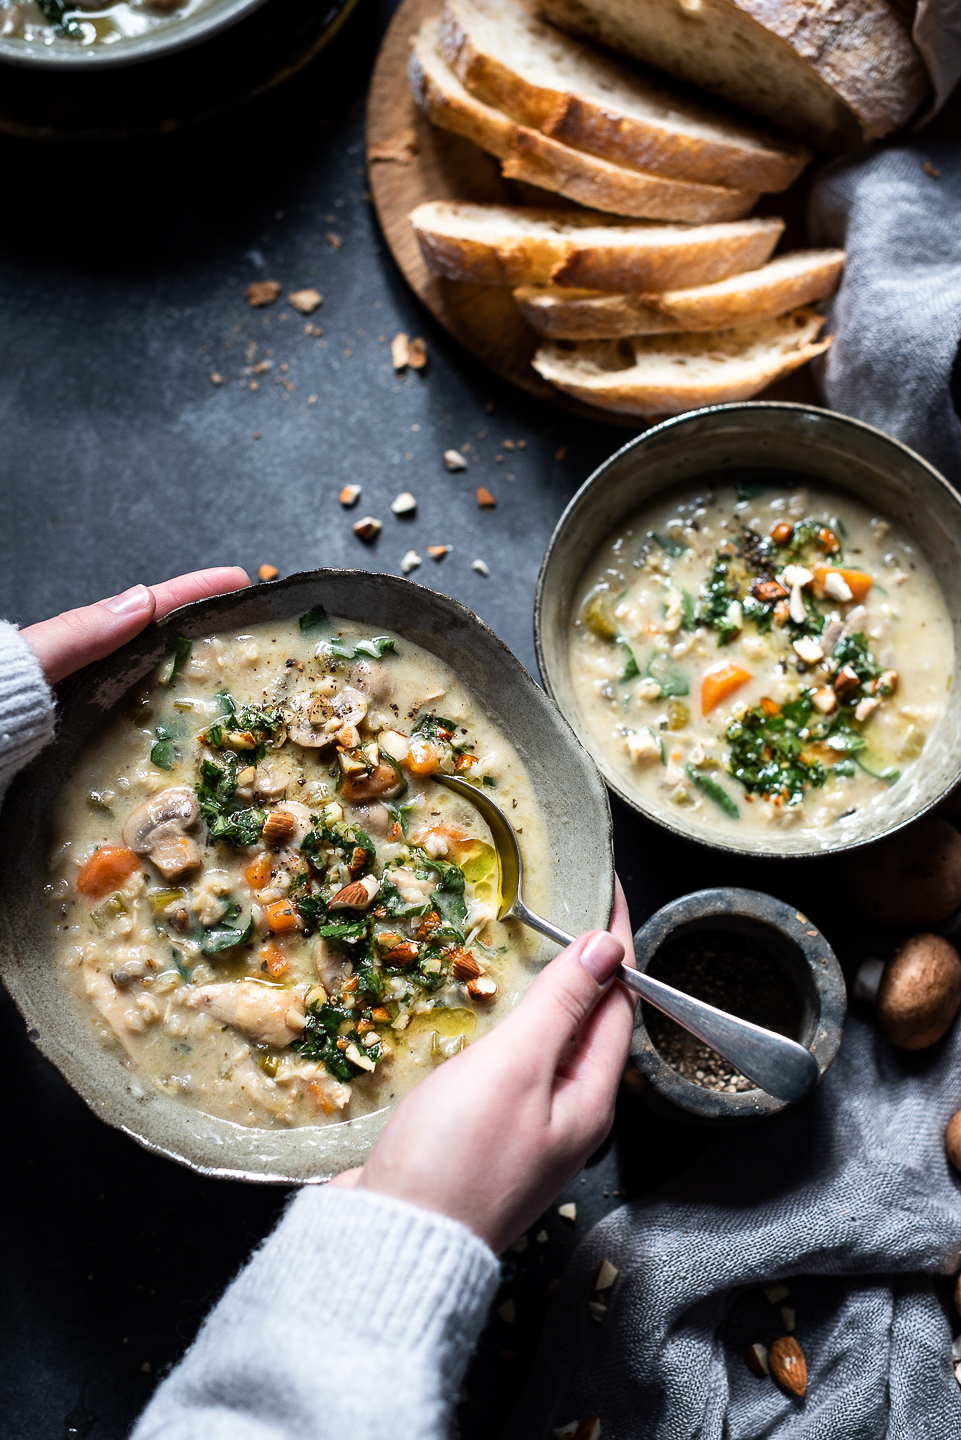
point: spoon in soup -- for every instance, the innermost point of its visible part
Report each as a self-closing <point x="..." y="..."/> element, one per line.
<point x="778" y="1065"/>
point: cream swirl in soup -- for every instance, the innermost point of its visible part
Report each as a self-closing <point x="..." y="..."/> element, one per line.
<point x="760" y="651"/>
<point x="262" y="899"/>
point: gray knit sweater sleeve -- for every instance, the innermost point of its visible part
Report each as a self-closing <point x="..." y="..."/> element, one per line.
<point x="26" y="704"/>
<point x="354" y="1321"/>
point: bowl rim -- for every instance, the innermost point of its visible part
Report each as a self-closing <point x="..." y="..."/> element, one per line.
<point x="656" y="816"/>
<point x="822" y="966"/>
<point x="102" y="686"/>
<point x="151" y="45"/>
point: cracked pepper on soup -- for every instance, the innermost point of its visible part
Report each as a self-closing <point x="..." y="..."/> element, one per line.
<point x="760" y="652"/>
<point x="264" y="902"/>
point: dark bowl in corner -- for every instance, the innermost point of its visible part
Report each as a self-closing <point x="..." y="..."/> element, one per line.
<point x="796" y="947"/>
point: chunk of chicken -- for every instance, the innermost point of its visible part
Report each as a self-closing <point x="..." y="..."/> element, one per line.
<point x="265" y="1013"/>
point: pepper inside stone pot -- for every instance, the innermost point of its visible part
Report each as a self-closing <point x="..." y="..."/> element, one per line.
<point x="754" y="956"/>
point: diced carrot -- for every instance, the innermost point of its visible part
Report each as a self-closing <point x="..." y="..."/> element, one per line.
<point x="106" y="870"/>
<point x="422" y="758"/>
<point x="721" y="682"/>
<point x="828" y="540"/>
<point x="466" y="762"/>
<point x="282" y="915"/>
<point x="769" y="706"/>
<point x="857" y="581"/>
<point x="258" y="871"/>
<point x="276" y="961"/>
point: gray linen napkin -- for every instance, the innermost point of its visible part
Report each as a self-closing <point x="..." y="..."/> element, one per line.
<point x="897" y="316"/>
<point x="848" y="1197"/>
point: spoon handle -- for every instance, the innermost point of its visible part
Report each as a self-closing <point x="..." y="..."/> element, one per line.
<point x="778" y="1065"/>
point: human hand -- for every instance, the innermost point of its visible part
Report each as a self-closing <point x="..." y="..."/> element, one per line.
<point x="493" y="1135"/>
<point x="78" y="637"/>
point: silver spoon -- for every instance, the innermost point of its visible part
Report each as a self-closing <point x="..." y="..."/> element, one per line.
<point x="778" y="1065"/>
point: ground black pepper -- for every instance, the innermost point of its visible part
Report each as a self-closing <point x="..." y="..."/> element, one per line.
<point x="733" y="972"/>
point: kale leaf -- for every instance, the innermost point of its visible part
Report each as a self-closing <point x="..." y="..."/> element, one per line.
<point x="717" y="594"/>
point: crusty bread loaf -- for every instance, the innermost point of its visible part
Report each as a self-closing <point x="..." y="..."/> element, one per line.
<point x="512" y="60"/>
<point x="835" y="74"/>
<point x="506" y="245"/>
<point x="543" y="161"/>
<point x="783" y="284"/>
<point x="665" y="375"/>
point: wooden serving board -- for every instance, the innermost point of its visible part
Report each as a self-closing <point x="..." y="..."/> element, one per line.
<point x="410" y="161"/>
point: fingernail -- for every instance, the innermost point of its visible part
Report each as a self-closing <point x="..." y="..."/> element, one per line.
<point x="601" y="956"/>
<point x="136" y="598"/>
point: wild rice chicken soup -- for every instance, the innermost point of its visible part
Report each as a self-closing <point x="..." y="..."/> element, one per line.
<point x="263" y="901"/>
<point x="761" y="652"/>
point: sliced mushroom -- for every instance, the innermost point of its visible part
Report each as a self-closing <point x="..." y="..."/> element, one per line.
<point x="373" y="679"/>
<point x="299" y="728"/>
<point x="375" y="819"/>
<point x="159" y="829"/>
<point x="350" y="706"/>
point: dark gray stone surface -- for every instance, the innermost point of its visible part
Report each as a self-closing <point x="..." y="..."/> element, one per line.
<point x="122" y="277"/>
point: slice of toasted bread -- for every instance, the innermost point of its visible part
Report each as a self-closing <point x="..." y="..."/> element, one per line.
<point x="509" y="58"/>
<point x="781" y="285"/>
<point x="507" y="245"/>
<point x="665" y="375"/>
<point x="835" y="74"/>
<point x="545" y="162"/>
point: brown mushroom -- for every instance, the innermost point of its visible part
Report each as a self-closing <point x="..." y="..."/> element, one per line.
<point x="159" y="829"/>
<point x="920" y="992"/>
<point x="373" y="679"/>
<point x="910" y="878"/>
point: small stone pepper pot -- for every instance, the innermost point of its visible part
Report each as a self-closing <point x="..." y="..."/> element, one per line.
<point x="794" y="945"/>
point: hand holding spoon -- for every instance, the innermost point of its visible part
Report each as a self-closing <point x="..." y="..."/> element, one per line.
<point x="778" y="1065"/>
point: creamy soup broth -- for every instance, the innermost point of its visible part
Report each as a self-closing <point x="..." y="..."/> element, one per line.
<point x="59" y="23"/>
<point x="760" y="652"/>
<point x="261" y="899"/>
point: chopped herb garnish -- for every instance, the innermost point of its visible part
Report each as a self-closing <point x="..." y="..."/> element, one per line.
<point x="401" y="814"/>
<point x="718" y="593"/>
<point x="235" y="825"/>
<point x="395" y="905"/>
<point x="489" y="781"/>
<point x="351" y="930"/>
<point x="313" y="619"/>
<point x="163" y="754"/>
<point x="224" y="937"/>
<point x="766" y="752"/>
<point x="430" y="726"/>
<point x="377" y="647"/>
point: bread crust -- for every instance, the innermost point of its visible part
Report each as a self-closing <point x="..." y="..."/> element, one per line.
<point x="835" y="74"/>
<point x="762" y="294"/>
<point x="545" y="162"/>
<point x="642" y="390"/>
<point x="661" y="257"/>
<point x="746" y="158"/>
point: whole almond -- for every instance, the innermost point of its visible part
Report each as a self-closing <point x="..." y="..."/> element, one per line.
<point x="353" y="897"/>
<point x="279" y="827"/>
<point x="464" y="966"/>
<point x="402" y="955"/>
<point x="788" y="1365"/>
